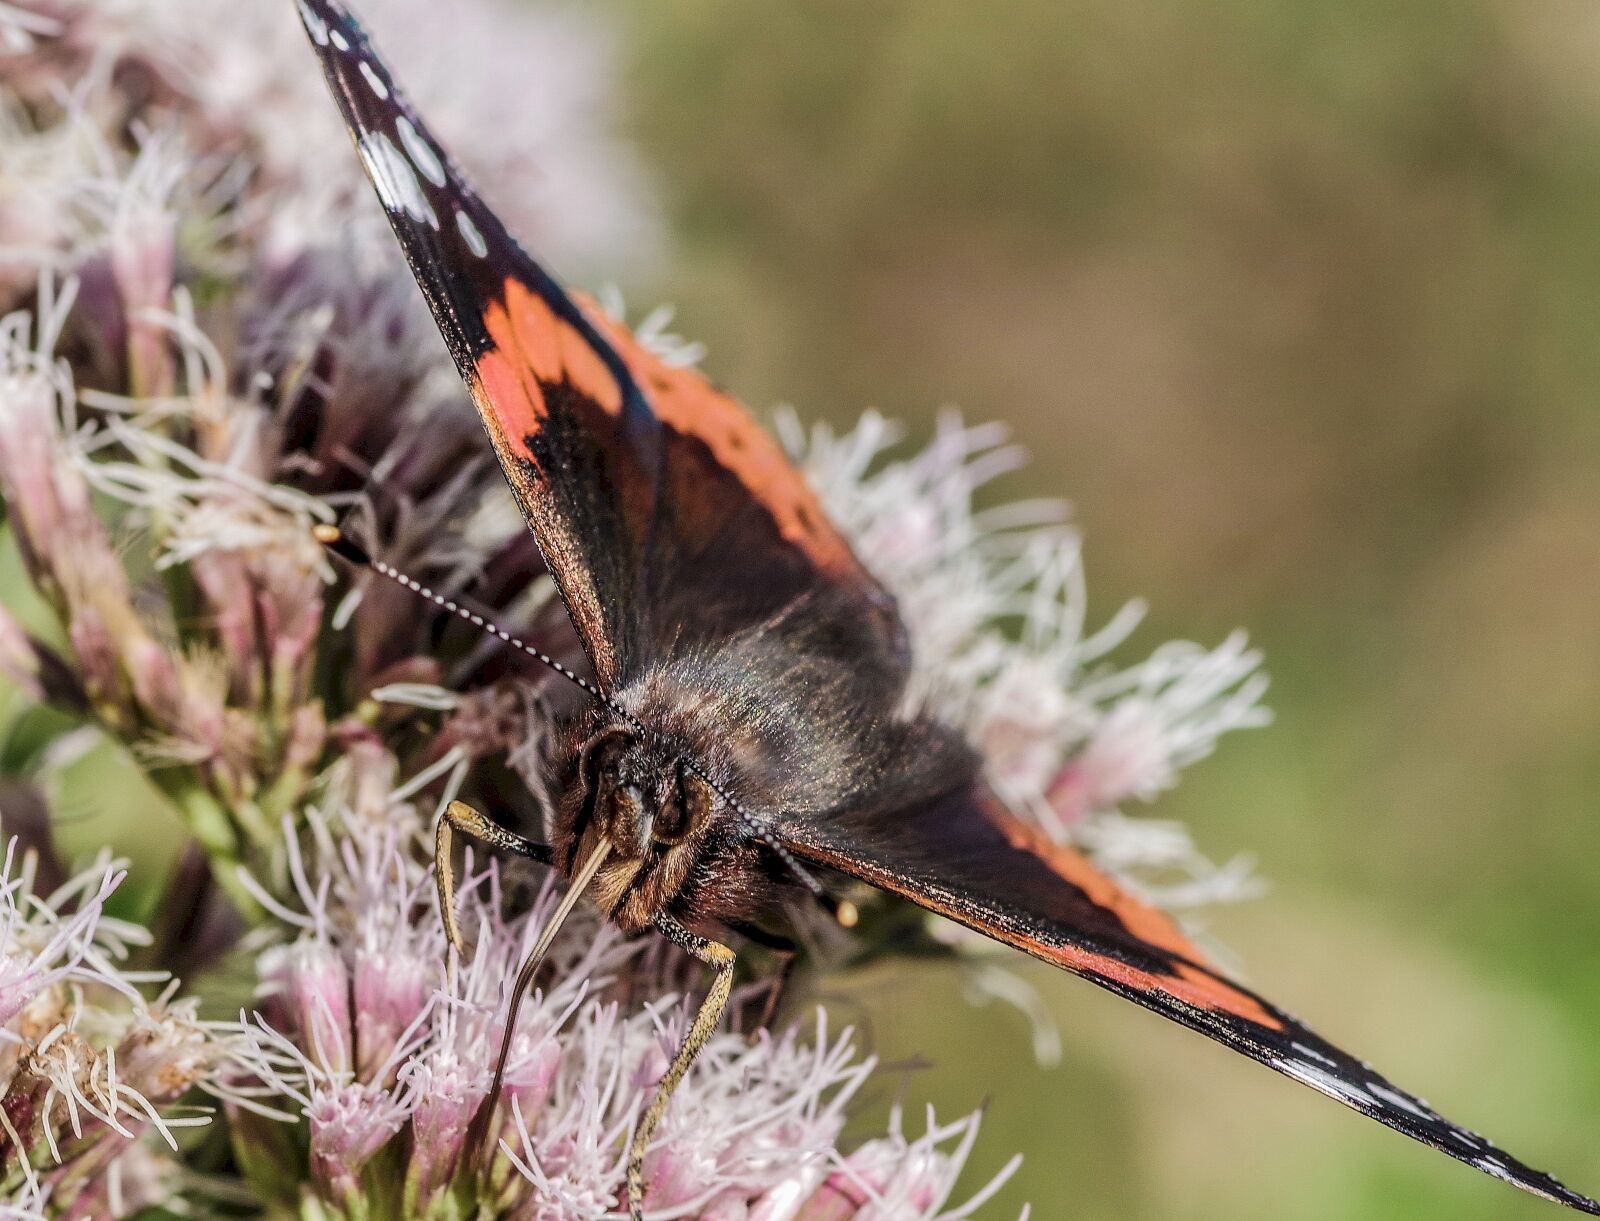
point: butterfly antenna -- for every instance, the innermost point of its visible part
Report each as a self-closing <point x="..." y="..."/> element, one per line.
<point x="338" y="542"/>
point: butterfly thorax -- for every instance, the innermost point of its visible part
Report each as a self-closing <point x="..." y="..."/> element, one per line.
<point x="770" y="719"/>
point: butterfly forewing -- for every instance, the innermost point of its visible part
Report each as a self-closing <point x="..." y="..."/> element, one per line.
<point x="663" y="512"/>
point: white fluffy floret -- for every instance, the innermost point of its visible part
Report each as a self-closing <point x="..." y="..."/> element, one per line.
<point x="378" y="1037"/>
<point x="996" y="605"/>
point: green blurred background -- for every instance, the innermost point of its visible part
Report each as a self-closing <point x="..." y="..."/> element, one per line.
<point x="1297" y="302"/>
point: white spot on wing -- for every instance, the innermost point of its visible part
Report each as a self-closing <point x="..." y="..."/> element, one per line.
<point x="1501" y="1171"/>
<point x="395" y="179"/>
<point x="1327" y="1083"/>
<point x="420" y="151"/>
<point x="339" y="40"/>
<point x="374" y="80"/>
<point x="1314" y="1054"/>
<point x="1396" y="1099"/>
<point x="315" y="25"/>
<point x="470" y="234"/>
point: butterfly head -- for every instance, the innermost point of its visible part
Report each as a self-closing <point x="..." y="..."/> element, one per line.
<point x="632" y="791"/>
<point x="639" y="796"/>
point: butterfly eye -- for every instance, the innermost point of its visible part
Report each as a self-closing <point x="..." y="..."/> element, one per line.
<point x="600" y="753"/>
<point x="685" y="811"/>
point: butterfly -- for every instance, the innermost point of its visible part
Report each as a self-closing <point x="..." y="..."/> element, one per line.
<point x="745" y="743"/>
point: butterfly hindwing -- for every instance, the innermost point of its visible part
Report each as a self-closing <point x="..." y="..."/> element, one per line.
<point x="644" y="485"/>
<point x="968" y="859"/>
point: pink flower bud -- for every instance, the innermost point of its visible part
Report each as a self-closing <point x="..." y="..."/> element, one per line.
<point x="230" y="597"/>
<point x="153" y="675"/>
<point x="530" y="1072"/>
<point x="676" y="1172"/>
<point x="1020" y="737"/>
<point x="1071" y="795"/>
<point x="390" y="992"/>
<point x="164" y="1052"/>
<point x="308" y="995"/>
<point x="448" y="1098"/>
<point x="832" y="1202"/>
<point x="865" y="1175"/>
<point x="788" y="1199"/>
<point x="142" y="247"/>
<point x="29" y="464"/>
<point x="350" y="1122"/>
<point x="653" y="1063"/>
<point x="917" y="1187"/>
<point x="728" y="1207"/>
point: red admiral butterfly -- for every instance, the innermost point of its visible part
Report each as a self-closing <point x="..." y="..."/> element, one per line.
<point x="746" y="725"/>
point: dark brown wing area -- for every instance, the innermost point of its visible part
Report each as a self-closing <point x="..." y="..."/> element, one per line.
<point x="666" y="516"/>
<point x="969" y="859"/>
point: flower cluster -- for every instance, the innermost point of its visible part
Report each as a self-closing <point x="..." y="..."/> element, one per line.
<point x="210" y="344"/>
<point x="995" y="603"/>
<point x="91" y="1073"/>
<point x="221" y="97"/>
<point x="384" y="1045"/>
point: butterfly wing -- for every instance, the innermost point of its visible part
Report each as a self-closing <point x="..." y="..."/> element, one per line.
<point x="644" y="485"/>
<point x="969" y="859"/>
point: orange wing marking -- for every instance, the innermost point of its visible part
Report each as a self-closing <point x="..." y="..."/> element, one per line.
<point x="686" y="402"/>
<point x="1143" y="921"/>
<point x="526" y="324"/>
<point x="534" y="346"/>
<point x="1193" y="981"/>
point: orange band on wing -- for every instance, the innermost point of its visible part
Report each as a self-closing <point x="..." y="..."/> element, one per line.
<point x="689" y="404"/>
<point x="1188" y="984"/>
<point x="526" y="323"/>
<point x="510" y="405"/>
<point x="1139" y="918"/>
<point x="1192" y="983"/>
<point x="545" y="350"/>
<point x="586" y="371"/>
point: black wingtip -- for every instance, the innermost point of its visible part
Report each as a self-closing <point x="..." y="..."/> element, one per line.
<point x="1560" y="1195"/>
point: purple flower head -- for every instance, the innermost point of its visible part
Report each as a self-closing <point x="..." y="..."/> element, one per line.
<point x="42" y="945"/>
<point x="89" y="1069"/>
<point x="753" y="1118"/>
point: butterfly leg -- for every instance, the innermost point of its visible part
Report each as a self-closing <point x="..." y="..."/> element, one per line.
<point x="459" y="816"/>
<point x="788" y="954"/>
<point x="720" y="959"/>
